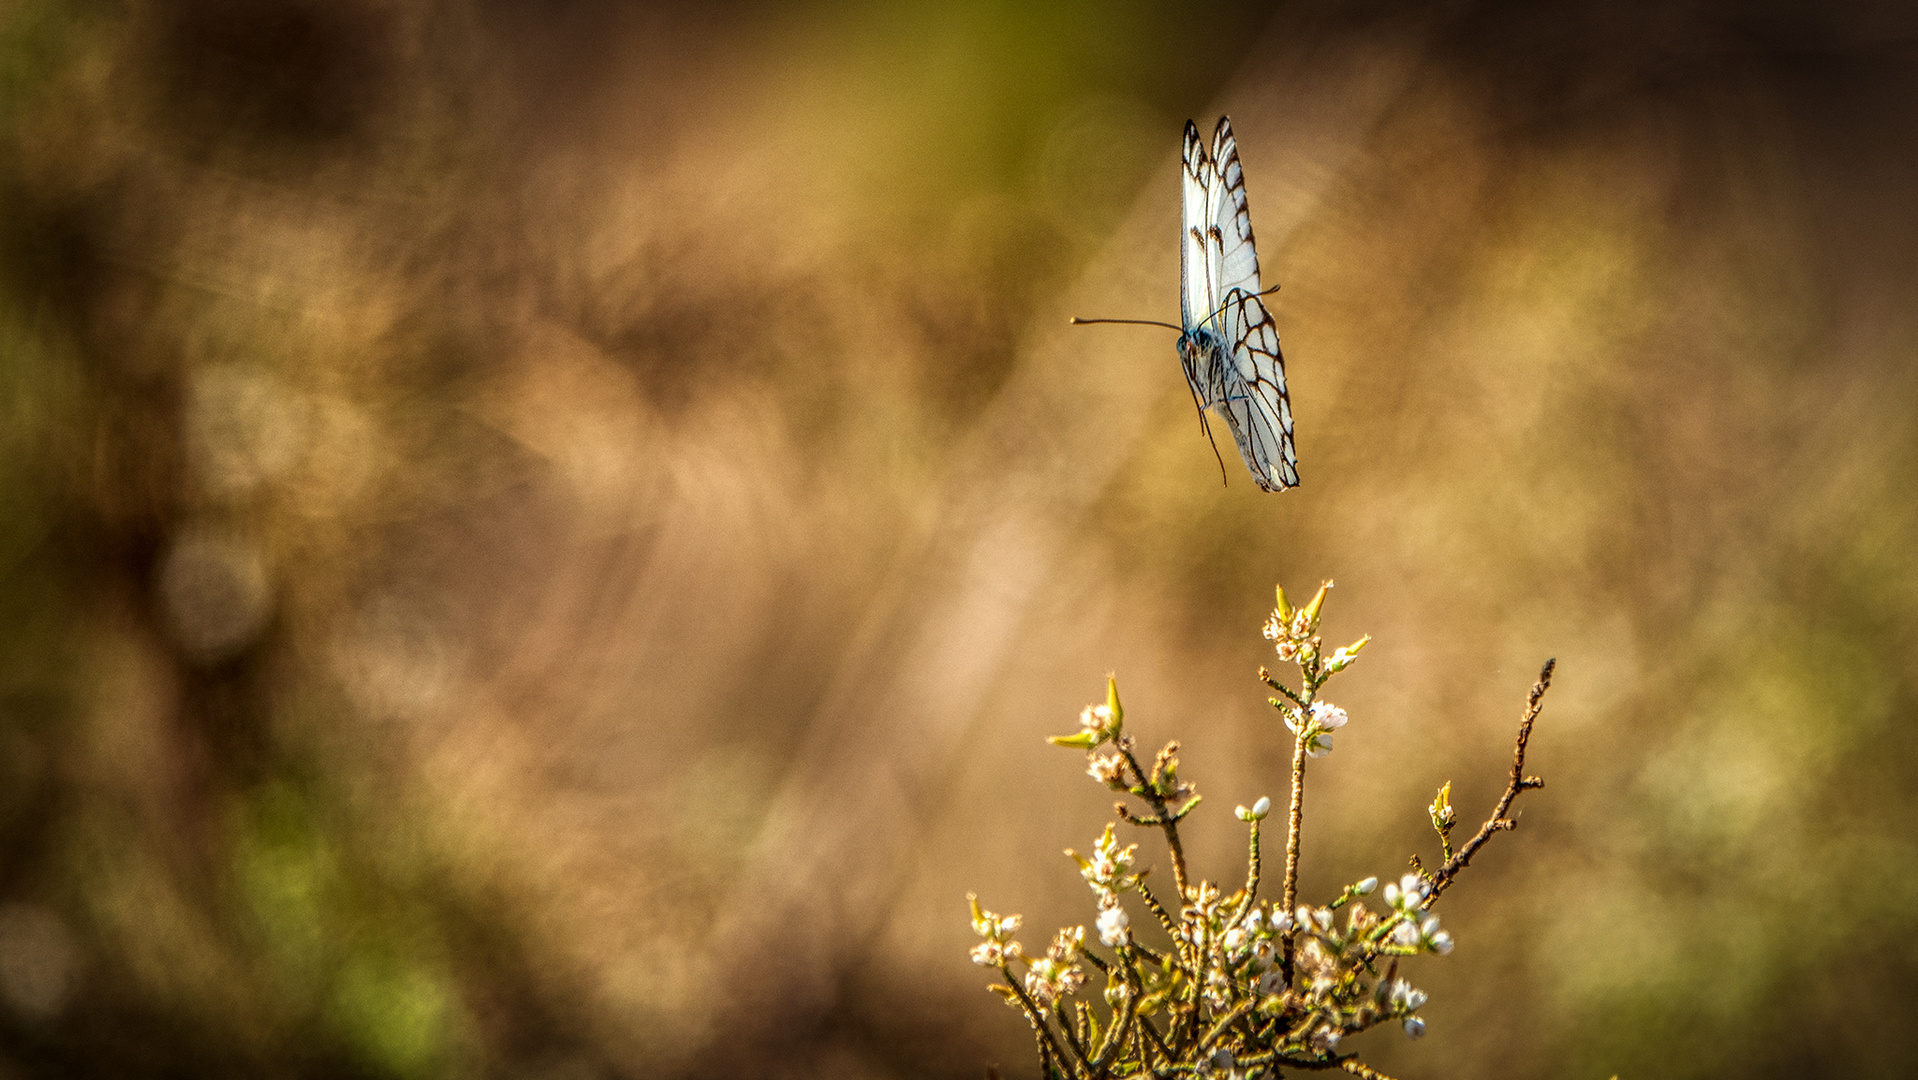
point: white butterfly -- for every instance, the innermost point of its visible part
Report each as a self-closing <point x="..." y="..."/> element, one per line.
<point x="1228" y="345"/>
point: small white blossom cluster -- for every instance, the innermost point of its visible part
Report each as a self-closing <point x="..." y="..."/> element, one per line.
<point x="1056" y="974"/>
<point x="1295" y="636"/>
<point x="998" y="948"/>
<point x="1108" y="870"/>
<point x="1398" y="999"/>
<point x="1316" y="726"/>
<point x="1241" y="953"/>
<point x="1335" y="954"/>
<point x="1413" y="933"/>
<point x="1099" y="724"/>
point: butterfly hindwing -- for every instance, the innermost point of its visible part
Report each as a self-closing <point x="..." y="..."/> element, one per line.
<point x="1256" y="405"/>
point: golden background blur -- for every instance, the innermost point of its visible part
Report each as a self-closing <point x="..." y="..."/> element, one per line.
<point x="541" y="540"/>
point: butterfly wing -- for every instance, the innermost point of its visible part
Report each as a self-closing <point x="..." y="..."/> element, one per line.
<point x="1255" y="402"/>
<point x="1198" y="288"/>
<point x="1238" y="258"/>
<point x="1256" y="405"/>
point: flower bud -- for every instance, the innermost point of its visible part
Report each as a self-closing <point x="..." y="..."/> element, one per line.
<point x="1318" y="601"/>
<point x="1343" y="657"/>
<point x="1364" y="888"/>
<point x="1414" y="1027"/>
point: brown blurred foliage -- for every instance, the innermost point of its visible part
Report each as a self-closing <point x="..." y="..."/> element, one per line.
<point x="541" y="539"/>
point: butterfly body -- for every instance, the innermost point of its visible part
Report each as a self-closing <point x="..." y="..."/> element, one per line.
<point x="1228" y="344"/>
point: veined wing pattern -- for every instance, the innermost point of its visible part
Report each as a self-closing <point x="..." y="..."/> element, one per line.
<point x="1229" y="346"/>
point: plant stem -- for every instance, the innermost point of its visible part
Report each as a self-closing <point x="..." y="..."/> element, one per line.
<point x="1519" y="782"/>
<point x="1290" y="892"/>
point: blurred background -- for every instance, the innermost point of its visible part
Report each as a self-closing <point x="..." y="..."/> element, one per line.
<point x="542" y="539"/>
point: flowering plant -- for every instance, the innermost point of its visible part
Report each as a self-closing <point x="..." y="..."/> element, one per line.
<point x="1237" y="985"/>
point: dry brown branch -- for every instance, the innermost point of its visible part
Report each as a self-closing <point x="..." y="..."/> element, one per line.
<point x="1499" y="821"/>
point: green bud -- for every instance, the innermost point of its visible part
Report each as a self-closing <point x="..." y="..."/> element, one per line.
<point x="1345" y="656"/>
<point x="1112" y="702"/>
<point x="1441" y="809"/>
<point x="1285" y="606"/>
<point x="1318" y="601"/>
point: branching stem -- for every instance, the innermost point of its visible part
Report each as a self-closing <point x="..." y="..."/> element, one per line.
<point x="1499" y="821"/>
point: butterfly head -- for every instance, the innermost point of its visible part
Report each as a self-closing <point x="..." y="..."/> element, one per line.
<point x="1200" y="356"/>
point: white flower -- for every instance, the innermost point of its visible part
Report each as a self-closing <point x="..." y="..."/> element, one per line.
<point x="1108" y="870"/>
<point x="1096" y="719"/>
<point x="1408" y="895"/>
<point x="990" y="926"/>
<point x="1400" y="997"/>
<point x="1405" y="934"/>
<point x="988" y="954"/>
<point x="1108" y="770"/>
<point x="1069" y="943"/>
<point x="1364" y="888"/>
<point x="1049" y="979"/>
<point x="1414" y="1027"/>
<point x="1441" y="943"/>
<point x="1328" y="716"/>
<point x="1112" y="926"/>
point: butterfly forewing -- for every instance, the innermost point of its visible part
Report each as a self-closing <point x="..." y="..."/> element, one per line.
<point x="1198" y="296"/>
<point x="1239" y="259"/>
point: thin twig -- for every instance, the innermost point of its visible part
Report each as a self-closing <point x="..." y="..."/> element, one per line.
<point x="1160" y="815"/>
<point x="1349" y="1064"/>
<point x="1158" y="909"/>
<point x="1036" y="1016"/>
<point x="1251" y="880"/>
<point x="1290" y="892"/>
<point x="1224" y="1022"/>
<point x="1499" y="821"/>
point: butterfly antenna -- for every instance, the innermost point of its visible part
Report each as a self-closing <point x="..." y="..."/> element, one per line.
<point x="1077" y="321"/>
<point x="1207" y="428"/>
<point x="1241" y="294"/>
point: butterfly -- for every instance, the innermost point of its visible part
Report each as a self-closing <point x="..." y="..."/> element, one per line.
<point x="1228" y="345"/>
